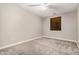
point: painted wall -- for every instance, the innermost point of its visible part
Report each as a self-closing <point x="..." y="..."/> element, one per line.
<point x="78" y="25"/>
<point x="17" y="24"/>
<point x="69" y="27"/>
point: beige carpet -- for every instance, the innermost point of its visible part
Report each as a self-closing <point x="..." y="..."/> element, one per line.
<point x="43" y="46"/>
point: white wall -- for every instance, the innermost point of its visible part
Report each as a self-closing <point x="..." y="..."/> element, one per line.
<point x="17" y="24"/>
<point x="78" y="25"/>
<point x="69" y="27"/>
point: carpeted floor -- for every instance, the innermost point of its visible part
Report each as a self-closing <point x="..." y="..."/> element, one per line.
<point x="43" y="46"/>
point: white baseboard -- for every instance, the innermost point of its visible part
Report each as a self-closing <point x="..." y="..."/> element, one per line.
<point x="60" y="39"/>
<point x="17" y="43"/>
<point x="57" y="38"/>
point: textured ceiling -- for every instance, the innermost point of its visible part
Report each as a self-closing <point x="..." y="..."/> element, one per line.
<point x="57" y="8"/>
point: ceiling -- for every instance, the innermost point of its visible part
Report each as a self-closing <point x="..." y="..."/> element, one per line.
<point x="53" y="8"/>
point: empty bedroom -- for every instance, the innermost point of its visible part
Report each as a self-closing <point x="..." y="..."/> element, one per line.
<point x="39" y="29"/>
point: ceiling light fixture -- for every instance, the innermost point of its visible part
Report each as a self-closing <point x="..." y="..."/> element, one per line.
<point x="43" y="6"/>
